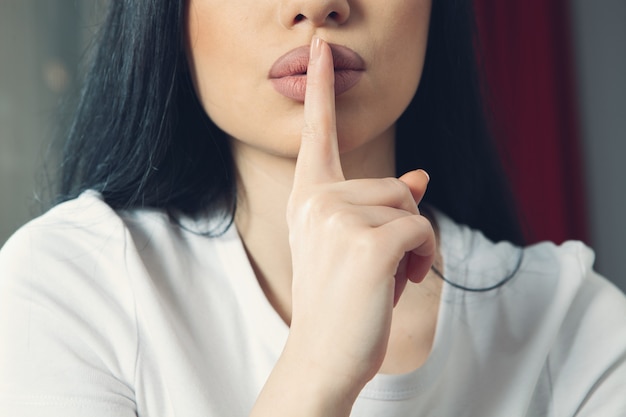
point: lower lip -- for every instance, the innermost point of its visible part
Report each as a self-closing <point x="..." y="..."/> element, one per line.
<point x="294" y="86"/>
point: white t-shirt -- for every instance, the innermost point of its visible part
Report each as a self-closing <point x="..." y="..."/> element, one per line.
<point x="107" y="314"/>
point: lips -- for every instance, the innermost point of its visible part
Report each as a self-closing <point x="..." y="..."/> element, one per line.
<point x="288" y="74"/>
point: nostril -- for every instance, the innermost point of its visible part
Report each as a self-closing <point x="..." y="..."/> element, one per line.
<point x="320" y="17"/>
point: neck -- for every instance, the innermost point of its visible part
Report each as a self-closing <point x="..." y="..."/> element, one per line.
<point x="264" y="183"/>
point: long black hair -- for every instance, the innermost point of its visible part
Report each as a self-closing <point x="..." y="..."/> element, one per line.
<point x="141" y="138"/>
<point x="445" y="129"/>
<point x="139" y="135"/>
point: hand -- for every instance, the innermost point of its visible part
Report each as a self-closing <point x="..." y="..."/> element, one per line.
<point x="354" y="246"/>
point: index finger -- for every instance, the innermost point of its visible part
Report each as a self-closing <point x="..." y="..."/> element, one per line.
<point x="318" y="159"/>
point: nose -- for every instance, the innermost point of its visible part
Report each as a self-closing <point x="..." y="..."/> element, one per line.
<point x="315" y="12"/>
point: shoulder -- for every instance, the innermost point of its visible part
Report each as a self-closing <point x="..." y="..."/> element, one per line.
<point x="544" y="289"/>
<point x="69" y="230"/>
<point x="67" y="309"/>
<point x="587" y="360"/>
<point x="77" y="247"/>
<point x="559" y="276"/>
<point x="562" y="318"/>
<point x="85" y="245"/>
<point x="81" y="287"/>
<point x="84" y="234"/>
<point x="71" y="260"/>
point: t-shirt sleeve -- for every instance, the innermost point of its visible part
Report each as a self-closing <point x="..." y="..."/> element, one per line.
<point x="588" y="365"/>
<point x="68" y="341"/>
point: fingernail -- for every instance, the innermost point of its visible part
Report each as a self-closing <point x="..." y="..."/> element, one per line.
<point x="316" y="49"/>
<point x="426" y="174"/>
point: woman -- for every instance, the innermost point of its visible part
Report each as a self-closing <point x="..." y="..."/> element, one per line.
<point x="233" y="242"/>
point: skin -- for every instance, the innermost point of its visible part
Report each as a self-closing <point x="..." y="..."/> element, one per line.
<point x="232" y="46"/>
<point x="333" y="238"/>
<point x="335" y="346"/>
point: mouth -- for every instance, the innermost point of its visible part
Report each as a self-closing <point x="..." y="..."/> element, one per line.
<point x="288" y="74"/>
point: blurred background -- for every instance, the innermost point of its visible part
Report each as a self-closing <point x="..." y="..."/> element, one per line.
<point x="557" y="75"/>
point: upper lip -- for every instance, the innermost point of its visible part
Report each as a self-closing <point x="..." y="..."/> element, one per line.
<point x="296" y="61"/>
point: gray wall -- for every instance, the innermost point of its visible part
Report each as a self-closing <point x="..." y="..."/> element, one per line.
<point x="600" y="40"/>
<point x="33" y="73"/>
<point x="40" y="44"/>
<point x="40" y="47"/>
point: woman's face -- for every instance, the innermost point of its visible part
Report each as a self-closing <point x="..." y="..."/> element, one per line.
<point x="233" y="46"/>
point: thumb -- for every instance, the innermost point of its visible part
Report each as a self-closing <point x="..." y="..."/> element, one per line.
<point x="417" y="265"/>
<point x="417" y="181"/>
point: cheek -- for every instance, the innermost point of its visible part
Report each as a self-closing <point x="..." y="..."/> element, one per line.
<point x="400" y="49"/>
<point x="405" y="39"/>
<point x="217" y="61"/>
<point x="397" y="65"/>
<point x="225" y="63"/>
<point x="203" y="53"/>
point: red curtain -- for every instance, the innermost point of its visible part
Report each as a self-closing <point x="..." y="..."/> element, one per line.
<point x="527" y="58"/>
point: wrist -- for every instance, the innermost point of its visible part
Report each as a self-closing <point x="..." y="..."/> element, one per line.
<point x="299" y="385"/>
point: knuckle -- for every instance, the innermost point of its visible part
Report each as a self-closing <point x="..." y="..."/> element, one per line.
<point x="366" y="244"/>
<point x="397" y="186"/>
<point x="292" y="210"/>
<point x="317" y="204"/>
<point x="323" y="210"/>
<point x="339" y="219"/>
<point x="400" y="189"/>
<point x="360" y="243"/>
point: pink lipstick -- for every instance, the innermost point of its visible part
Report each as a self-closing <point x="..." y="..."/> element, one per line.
<point x="288" y="74"/>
